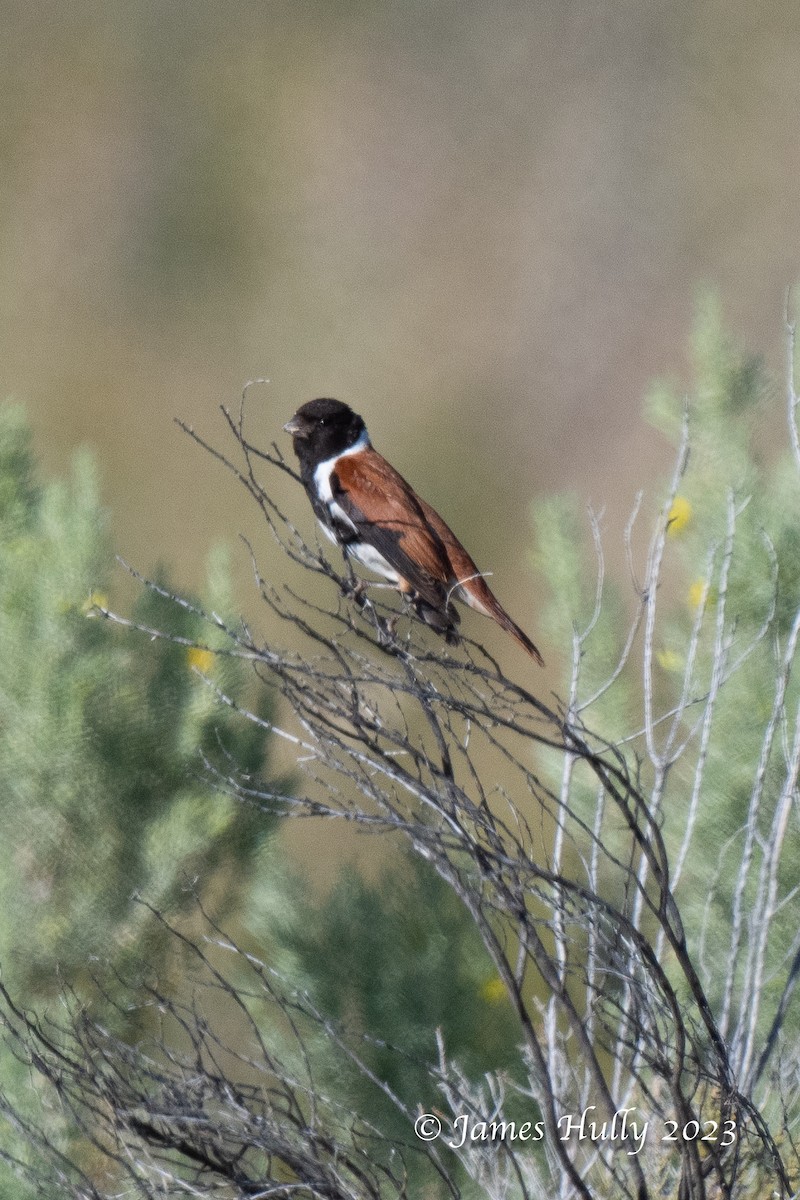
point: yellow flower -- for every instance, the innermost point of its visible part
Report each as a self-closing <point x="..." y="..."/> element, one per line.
<point x="679" y="515"/>
<point x="697" y="590"/>
<point x="669" y="660"/>
<point x="200" y="659"/>
<point x="92" y="602"/>
<point x="493" y="991"/>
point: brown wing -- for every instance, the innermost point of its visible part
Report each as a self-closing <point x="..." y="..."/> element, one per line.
<point x="411" y="535"/>
<point x="388" y="515"/>
<point x="472" y="588"/>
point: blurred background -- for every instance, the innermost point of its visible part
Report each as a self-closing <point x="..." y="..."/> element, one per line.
<point x="483" y="226"/>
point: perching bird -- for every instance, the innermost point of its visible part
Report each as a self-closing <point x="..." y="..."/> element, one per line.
<point x="369" y="510"/>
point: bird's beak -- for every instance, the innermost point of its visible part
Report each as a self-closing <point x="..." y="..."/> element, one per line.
<point x="294" y="427"/>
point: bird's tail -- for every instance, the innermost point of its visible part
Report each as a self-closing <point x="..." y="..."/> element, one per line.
<point x="504" y="621"/>
<point x="478" y="596"/>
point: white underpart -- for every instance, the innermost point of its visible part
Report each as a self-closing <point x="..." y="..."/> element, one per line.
<point x="367" y="555"/>
<point x="373" y="560"/>
<point x="322" y="474"/>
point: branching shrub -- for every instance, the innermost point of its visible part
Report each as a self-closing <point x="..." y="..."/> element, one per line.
<point x="626" y="856"/>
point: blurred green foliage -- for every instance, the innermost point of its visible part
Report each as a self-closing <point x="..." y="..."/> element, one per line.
<point x="102" y="736"/>
<point x="733" y="466"/>
<point x="394" y="962"/>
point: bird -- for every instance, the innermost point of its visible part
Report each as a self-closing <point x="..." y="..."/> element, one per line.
<point x="368" y="509"/>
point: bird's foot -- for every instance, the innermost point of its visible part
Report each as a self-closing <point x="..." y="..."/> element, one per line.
<point x="390" y="628"/>
<point x="355" y="589"/>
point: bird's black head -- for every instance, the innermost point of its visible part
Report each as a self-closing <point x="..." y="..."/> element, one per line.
<point x="322" y="429"/>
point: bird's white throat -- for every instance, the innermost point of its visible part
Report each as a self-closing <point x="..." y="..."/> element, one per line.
<point x="322" y="474"/>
